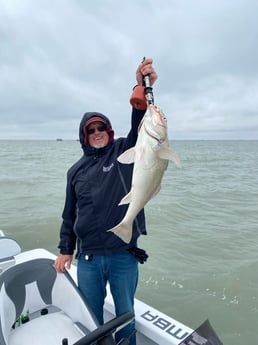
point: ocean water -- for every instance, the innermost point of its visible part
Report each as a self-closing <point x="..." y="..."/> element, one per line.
<point x="202" y="227"/>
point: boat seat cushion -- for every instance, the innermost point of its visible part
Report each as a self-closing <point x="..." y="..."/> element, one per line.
<point x="46" y="330"/>
<point x="35" y="285"/>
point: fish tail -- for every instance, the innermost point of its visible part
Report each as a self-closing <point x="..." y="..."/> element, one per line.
<point x="123" y="231"/>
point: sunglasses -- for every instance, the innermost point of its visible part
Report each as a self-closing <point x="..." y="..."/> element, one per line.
<point x="100" y="128"/>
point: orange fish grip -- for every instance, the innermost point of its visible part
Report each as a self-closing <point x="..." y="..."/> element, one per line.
<point x="138" y="98"/>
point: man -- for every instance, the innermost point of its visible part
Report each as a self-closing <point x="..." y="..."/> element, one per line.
<point x="95" y="186"/>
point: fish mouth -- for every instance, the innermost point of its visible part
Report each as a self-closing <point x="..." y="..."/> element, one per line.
<point x="155" y="119"/>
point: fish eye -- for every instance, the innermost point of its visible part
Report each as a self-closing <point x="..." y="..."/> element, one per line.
<point x="163" y="116"/>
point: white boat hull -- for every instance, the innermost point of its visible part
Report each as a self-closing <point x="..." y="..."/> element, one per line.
<point x="153" y="327"/>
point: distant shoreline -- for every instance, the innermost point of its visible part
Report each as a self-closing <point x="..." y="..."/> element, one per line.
<point x="60" y="140"/>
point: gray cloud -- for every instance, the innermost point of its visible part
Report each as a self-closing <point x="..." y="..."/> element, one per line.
<point x="59" y="59"/>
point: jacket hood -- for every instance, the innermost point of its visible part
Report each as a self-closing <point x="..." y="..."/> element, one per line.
<point x="85" y="119"/>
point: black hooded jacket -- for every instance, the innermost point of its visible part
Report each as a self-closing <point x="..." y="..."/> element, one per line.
<point x="95" y="186"/>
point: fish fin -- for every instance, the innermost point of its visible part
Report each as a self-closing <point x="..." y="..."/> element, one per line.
<point x="170" y="155"/>
<point x="123" y="231"/>
<point x="127" y="157"/>
<point x="156" y="147"/>
<point x="126" y="199"/>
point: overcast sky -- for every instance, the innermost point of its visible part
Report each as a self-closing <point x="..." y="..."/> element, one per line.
<point x="61" y="58"/>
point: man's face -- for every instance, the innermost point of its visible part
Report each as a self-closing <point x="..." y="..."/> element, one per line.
<point x="97" y="134"/>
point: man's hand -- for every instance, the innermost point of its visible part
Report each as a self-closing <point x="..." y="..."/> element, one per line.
<point x="146" y="68"/>
<point x="63" y="262"/>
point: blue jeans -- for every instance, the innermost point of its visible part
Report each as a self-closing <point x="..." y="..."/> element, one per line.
<point x="121" y="271"/>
